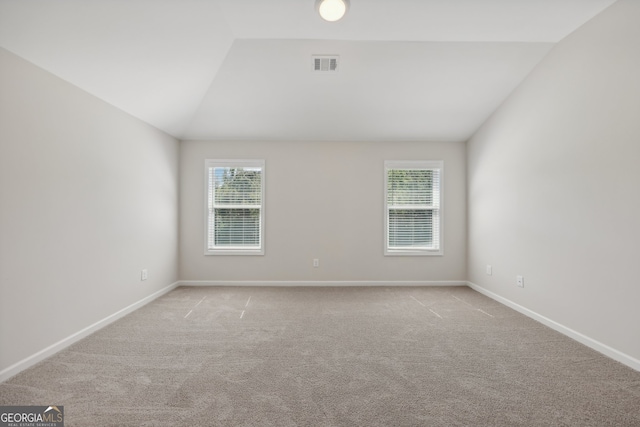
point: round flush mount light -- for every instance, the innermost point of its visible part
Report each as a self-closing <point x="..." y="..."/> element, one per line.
<point x="332" y="10"/>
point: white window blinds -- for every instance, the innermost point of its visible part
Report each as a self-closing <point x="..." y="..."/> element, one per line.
<point x="235" y="193"/>
<point x="413" y="210"/>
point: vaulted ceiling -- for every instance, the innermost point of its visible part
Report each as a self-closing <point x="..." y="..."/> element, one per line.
<point x="242" y="69"/>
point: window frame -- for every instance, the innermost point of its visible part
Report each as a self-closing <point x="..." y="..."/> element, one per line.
<point x="415" y="165"/>
<point x="233" y="163"/>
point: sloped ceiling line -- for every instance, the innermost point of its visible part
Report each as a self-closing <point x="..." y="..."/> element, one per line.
<point x="239" y="69"/>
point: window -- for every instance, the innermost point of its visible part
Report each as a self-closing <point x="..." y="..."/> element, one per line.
<point x="234" y="207"/>
<point x="413" y="207"/>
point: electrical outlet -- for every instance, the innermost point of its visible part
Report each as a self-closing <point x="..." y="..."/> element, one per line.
<point x="520" y="281"/>
<point x="488" y="270"/>
<point x="144" y="274"/>
<point x="316" y="263"/>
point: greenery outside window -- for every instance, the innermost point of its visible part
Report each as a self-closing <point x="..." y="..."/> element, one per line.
<point x="234" y="207"/>
<point x="413" y="211"/>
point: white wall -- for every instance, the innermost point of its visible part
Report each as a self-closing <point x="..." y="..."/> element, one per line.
<point x="554" y="186"/>
<point x="323" y="200"/>
<point x="88" y="197"/>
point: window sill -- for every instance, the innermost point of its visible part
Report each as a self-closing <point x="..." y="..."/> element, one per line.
<point x="234" y="252"/>
<point x="413" y="253"/>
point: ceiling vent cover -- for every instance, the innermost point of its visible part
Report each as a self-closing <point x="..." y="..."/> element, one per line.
<point x="325" y="63"/>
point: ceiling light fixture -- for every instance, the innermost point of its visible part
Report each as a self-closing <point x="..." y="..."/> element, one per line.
<point x="332" y="10"/>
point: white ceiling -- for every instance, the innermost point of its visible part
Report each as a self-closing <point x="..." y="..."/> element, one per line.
<point x="241" y="69"/>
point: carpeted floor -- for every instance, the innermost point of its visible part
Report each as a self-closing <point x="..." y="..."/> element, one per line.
<point x="330" y="357"/>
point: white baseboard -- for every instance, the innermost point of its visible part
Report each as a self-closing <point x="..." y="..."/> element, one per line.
<point x="301" y="283"/>
<point x="581" y="338"/>
<point x="16" y="368"/>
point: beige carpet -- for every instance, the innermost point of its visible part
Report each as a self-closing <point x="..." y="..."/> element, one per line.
<point x="330" y="357"/>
